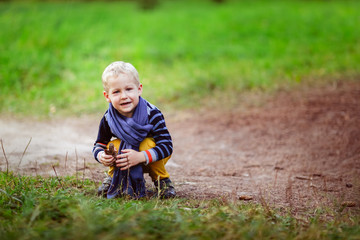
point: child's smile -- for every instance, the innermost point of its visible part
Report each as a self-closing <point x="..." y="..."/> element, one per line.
<point x="125" y="104"/>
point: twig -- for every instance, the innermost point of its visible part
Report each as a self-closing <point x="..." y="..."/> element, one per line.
<point x="252" y="166"/>
<point x="66" y="156"/>
<point x="127" y="181"/>
<point x="36" y="167"/>
<point x="24" y="151"/>
<point x="84" y="171"/>
<point x="265" y="204"/>
<point x="303" y="178"/>
<point x="7" y="162"/>
<point x="289" y="194"/>
<point x="58" y="177"/>
<point x="76" y="167"/>
<point x="276" y="173"/>
<point x="158" y="187"/>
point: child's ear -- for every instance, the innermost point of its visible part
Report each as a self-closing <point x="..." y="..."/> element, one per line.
<point x="106" y="95"/>
<point x="140" y="89"/>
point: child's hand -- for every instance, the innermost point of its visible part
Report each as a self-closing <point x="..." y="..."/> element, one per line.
<point x="106" y="160"/>
<point x="129" y="158"/>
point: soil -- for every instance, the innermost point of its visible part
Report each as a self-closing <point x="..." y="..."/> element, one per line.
<point x="296" y="149"/>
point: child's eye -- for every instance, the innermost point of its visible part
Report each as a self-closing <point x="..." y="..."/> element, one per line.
<point x="129" y="89"/>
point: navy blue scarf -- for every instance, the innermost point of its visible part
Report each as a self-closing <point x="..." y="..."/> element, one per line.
<point x="131" y="132"/>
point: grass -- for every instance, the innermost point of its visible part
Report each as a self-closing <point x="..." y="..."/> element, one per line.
<point x="52" y="54"/>
<point x="44" y="208"/>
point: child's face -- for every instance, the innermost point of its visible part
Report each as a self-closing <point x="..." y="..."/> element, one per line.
<point x="123" y="93"/>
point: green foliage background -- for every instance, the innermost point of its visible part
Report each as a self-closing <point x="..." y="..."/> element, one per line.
<point x="52" y="54"/>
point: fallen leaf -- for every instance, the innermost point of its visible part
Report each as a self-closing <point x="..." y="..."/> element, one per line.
<point x="245" y="198"/>
<point x="348" y="204"/>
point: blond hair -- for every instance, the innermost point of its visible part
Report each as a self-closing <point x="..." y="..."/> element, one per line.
<point x="117" y="68"/>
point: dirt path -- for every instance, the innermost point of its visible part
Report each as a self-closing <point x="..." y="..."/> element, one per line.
<point x="300" y="149"/>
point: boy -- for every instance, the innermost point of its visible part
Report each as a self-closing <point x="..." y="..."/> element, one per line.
<point x="142" y="138"/>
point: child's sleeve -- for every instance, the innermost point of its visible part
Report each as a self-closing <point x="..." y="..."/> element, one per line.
<point x="161" y="135"/>
<point x="103" y="138"/>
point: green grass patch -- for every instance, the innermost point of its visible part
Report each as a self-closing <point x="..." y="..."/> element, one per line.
<point x="67" y="208"/>
<point x="52" y="54"/>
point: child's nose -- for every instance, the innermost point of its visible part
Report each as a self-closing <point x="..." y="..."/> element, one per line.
<point x="123" y="95"/>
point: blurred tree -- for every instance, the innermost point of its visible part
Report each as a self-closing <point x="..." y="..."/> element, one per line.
<point x="148" y="4"/>
<point x="218" y="1"/>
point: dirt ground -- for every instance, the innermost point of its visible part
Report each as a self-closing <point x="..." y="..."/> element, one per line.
<point x="299" y="149"/>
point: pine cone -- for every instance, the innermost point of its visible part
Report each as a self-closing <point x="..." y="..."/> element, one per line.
<point x="111" y="151"/>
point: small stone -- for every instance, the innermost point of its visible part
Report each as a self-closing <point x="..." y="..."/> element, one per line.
<point x="349" y="185"/>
